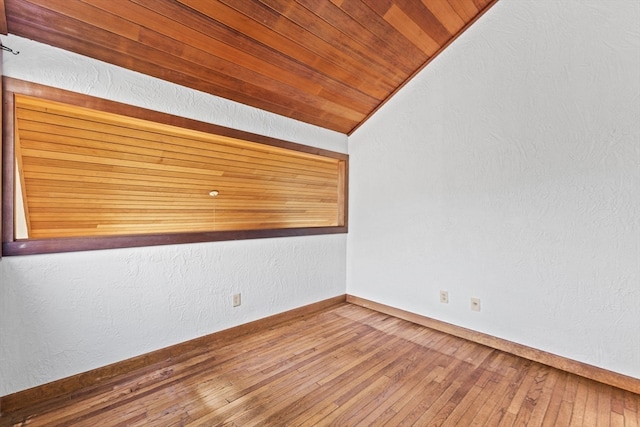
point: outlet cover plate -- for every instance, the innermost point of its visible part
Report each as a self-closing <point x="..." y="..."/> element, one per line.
<point x="444" y="297"/>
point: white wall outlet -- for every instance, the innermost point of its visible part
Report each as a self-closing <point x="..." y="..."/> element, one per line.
<point x="237" y="300"/>
<point x="475" y="304"/>
<point x="444" y="297"/>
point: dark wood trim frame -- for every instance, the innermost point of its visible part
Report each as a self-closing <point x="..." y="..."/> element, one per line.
<point x="572" y="366"/>
<point x="1" y="131"/>
<point x="88" y="381"/>
<point x="75" y="244"/>
<point x="10" y="246"/>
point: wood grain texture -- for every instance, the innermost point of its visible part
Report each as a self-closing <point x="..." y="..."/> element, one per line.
<point x="578" y="368"/>
<point x="3" y="19"/>
<point x="89" y="173"/>
<point x="342" y="365"/>
<point x="94" y="168"/>
<point x="445" y="16"/>
<point x="329" y="63"/>
<point x="158" y="359"/>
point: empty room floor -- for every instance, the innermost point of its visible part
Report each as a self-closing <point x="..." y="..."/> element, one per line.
<point x="343" y="366"/>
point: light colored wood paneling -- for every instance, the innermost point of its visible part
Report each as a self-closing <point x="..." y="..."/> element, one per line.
<point x="92" y="173"/>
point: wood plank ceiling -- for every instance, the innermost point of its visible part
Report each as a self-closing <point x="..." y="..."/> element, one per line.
<point x="328" y="63"/>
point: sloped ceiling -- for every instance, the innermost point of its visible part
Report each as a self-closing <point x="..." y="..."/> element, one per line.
<point x="328" y="63"/>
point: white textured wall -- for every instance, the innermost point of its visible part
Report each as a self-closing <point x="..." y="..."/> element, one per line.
<point x="509" y="170"/>
<point x="68" y="313"/>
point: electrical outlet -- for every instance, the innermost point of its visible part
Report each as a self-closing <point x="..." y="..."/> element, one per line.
<point x="475" y="304"/>
<point x="236" y="300"/>
<point x="444" y="297"/>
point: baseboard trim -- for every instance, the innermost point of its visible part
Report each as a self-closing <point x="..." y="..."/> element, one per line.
<point x="77" y="383"/>
<point x="588" y="371"/>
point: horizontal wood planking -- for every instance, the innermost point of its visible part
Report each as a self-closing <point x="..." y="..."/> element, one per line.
<point x="327" y="63"/>
<point x="588" y="371"/>
<point x="290" y="169"/>
<point x="61" y="144"/>
<point x="94" y="378"/>
<point x="13" y="86"/>
<point x="168" y="136"/>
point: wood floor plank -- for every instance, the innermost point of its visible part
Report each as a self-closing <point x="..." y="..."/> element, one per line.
<point x="488" y="405"/>
<point x="346" y="365"/>
<point x="542" y="401"/>
<point x="580" y="404"/>
<point x="630" y="419"/>
<point x="617" y="420"/>
<point x="335" y="384"/>
<point x="439" y="415"/>
<point x="604" y="410"/>
<point x="403" y="380"/>
<point x="555" y="401"/>
<point x="535" y="389"/>
<point x="430" y="405"/>
<point x="591" y="406"/>
<point x="453" y="418"/>
<point x="564" y="415"/>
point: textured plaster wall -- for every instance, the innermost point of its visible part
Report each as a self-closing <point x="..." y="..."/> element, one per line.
<point x="509" y="170"/>
<point x="68" y="313"/>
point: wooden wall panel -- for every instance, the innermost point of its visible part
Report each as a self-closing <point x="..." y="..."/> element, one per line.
<point x="92" y="173"/>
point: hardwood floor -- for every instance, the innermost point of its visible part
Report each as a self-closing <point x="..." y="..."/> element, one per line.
<point x="344" y="366"/>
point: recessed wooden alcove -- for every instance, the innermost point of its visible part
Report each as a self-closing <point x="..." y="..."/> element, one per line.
<point x="88" y="168"/>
